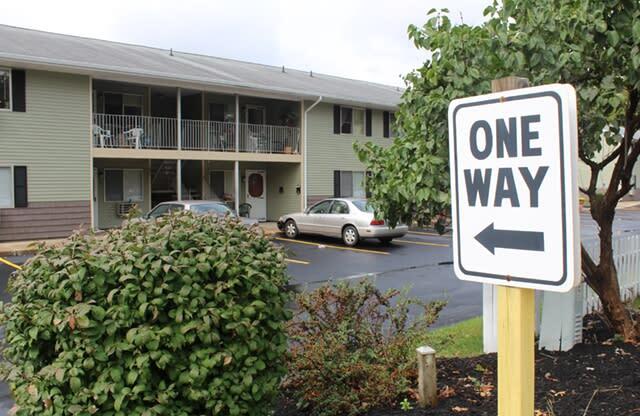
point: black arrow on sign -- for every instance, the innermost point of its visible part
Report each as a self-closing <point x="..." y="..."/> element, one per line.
<point x="491" y="239"/>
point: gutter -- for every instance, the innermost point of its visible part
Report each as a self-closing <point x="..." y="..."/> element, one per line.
<point x="304" y="156"/>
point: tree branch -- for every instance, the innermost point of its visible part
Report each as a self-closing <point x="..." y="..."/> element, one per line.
<point x="612" y="156"/>
<point x="619" y="183"/>
<point x="589" y="268"/>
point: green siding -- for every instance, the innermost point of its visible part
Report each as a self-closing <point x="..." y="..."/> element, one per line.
<point x="52" y="138"/>
<point x="287" y="176"/>
<point x="328" y="152"/>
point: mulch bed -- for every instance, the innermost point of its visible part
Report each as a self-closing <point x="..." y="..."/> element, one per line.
<point x="599" y="377"/>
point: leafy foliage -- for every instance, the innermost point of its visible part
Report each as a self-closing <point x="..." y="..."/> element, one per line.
<point x="180" y="316"/>
<point x="593" y="45"/>
<point x="350" y="346"/>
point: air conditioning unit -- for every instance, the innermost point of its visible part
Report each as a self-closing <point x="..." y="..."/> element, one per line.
<point x="123" y="209"/>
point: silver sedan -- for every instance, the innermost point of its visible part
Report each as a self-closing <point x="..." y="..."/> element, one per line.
<point x="216" y="208"/>
<point x="346" y="218"/>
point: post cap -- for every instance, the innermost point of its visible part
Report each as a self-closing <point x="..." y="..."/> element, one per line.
<point x="425" y="350"/>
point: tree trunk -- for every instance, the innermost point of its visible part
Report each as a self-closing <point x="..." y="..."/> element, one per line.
<point x="603" y="279"/>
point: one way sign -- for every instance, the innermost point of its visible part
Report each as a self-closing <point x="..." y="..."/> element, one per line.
<point x="514" y="195"/>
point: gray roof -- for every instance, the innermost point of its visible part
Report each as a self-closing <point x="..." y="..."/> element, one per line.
<point x="83" y="55"/>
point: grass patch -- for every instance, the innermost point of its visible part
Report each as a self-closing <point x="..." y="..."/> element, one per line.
<point x="463" y="339"/>
<point x="636" y="304"/>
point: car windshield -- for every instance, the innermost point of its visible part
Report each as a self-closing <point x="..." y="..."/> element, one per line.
<point x="216" y="209"/>
<point x="362" y="205"/>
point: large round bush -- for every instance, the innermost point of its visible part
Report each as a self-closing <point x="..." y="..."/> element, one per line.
<point x="180" y="316"/>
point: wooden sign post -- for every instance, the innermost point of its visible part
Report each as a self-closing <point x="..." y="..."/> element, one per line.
<point x="516" y="329"/>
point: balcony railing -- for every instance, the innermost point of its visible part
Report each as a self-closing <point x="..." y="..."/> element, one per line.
<point x="143" y="132"/>
<point x="208" y="135"/>
<point x="136" y="132"/>
<point x="260" y="138"/>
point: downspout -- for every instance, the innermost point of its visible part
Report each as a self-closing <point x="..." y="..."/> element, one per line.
<point x="304" y="149"/>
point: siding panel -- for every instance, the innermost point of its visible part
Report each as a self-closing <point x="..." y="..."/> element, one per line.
<point x="52" y="138"/>
<point x="43" y="220"/>
<point x="328" y="152"/>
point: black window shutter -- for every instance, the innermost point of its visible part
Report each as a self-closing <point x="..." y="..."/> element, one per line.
<point x="367" y="122"/>
<point x="336" y="119"/>
<point x="18" y="91"/>
<point x="367" y="190"/>
<point x="336" y="184"/>
<point x="385" y="124"/>
<point x="20" y="186"/>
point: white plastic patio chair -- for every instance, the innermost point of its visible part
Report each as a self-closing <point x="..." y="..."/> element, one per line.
<point x="104" y="136"/>
<point x="134" y="135"/>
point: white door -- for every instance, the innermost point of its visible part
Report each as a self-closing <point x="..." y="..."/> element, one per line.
<point x="95" y="198"/>
<point x="256" y="193"/>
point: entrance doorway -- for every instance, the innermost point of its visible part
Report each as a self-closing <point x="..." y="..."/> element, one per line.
<point x="256" y="194"/>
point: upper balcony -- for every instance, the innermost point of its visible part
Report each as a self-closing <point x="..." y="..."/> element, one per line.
<point x="145" y="132"/>
<point x="137" y="117"/>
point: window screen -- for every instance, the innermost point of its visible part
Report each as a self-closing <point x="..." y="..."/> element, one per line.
<point x="6" y="184"/>
<point x="346" y="184"/>
<point x="346" y="120"/>
<point x="133" y="186"/>
<point x="113" y="191"/>
<point x="132" y="104"/>
<point x="358" y="185"/>
<point x="358" y="122"/>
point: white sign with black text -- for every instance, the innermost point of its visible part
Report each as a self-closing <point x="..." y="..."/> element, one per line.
<point x="514" y="194"/>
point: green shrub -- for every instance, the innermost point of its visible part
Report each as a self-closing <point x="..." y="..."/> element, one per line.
<point x="350" y="348"/>
<point x="180" y="316"/>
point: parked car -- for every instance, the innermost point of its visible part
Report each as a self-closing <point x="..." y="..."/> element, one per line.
<point x="347" y="218"/>
<point x="217" y="208"/>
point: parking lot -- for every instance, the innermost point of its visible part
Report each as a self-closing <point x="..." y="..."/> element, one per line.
<point x="420" y="262"/>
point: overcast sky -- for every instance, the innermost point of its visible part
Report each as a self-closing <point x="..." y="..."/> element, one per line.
<point x="362" y="39"/>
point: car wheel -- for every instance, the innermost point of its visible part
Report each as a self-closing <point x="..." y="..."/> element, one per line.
<point x="290" y="229"/>
<point x="385" y="240"/>
<point x="350" y="235"/>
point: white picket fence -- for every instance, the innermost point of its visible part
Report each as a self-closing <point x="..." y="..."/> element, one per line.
<point x="626" y="255"/>
<point x="559" y="315"/>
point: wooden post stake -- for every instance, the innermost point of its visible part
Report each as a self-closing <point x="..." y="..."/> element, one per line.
<point x="427" y="380"/>
<point x="516" y="327"/>
<point x="516" y="354"/>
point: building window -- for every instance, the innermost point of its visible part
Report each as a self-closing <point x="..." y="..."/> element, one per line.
<point x="346" y="120"/>
<point x="349" y="184"/>
<point x="132" y="104"/>
<point x="358" y="122"/>
<point x="123" y="185"/>
<point x="352" y="121"/>
<point x="6" y="188"/>
<point x="255" y="114"/>
<point x="123" y="104"/>
<point x="5" y="89"/>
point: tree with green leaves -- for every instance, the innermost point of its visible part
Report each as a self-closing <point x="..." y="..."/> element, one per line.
<point x="593" y="45"/>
